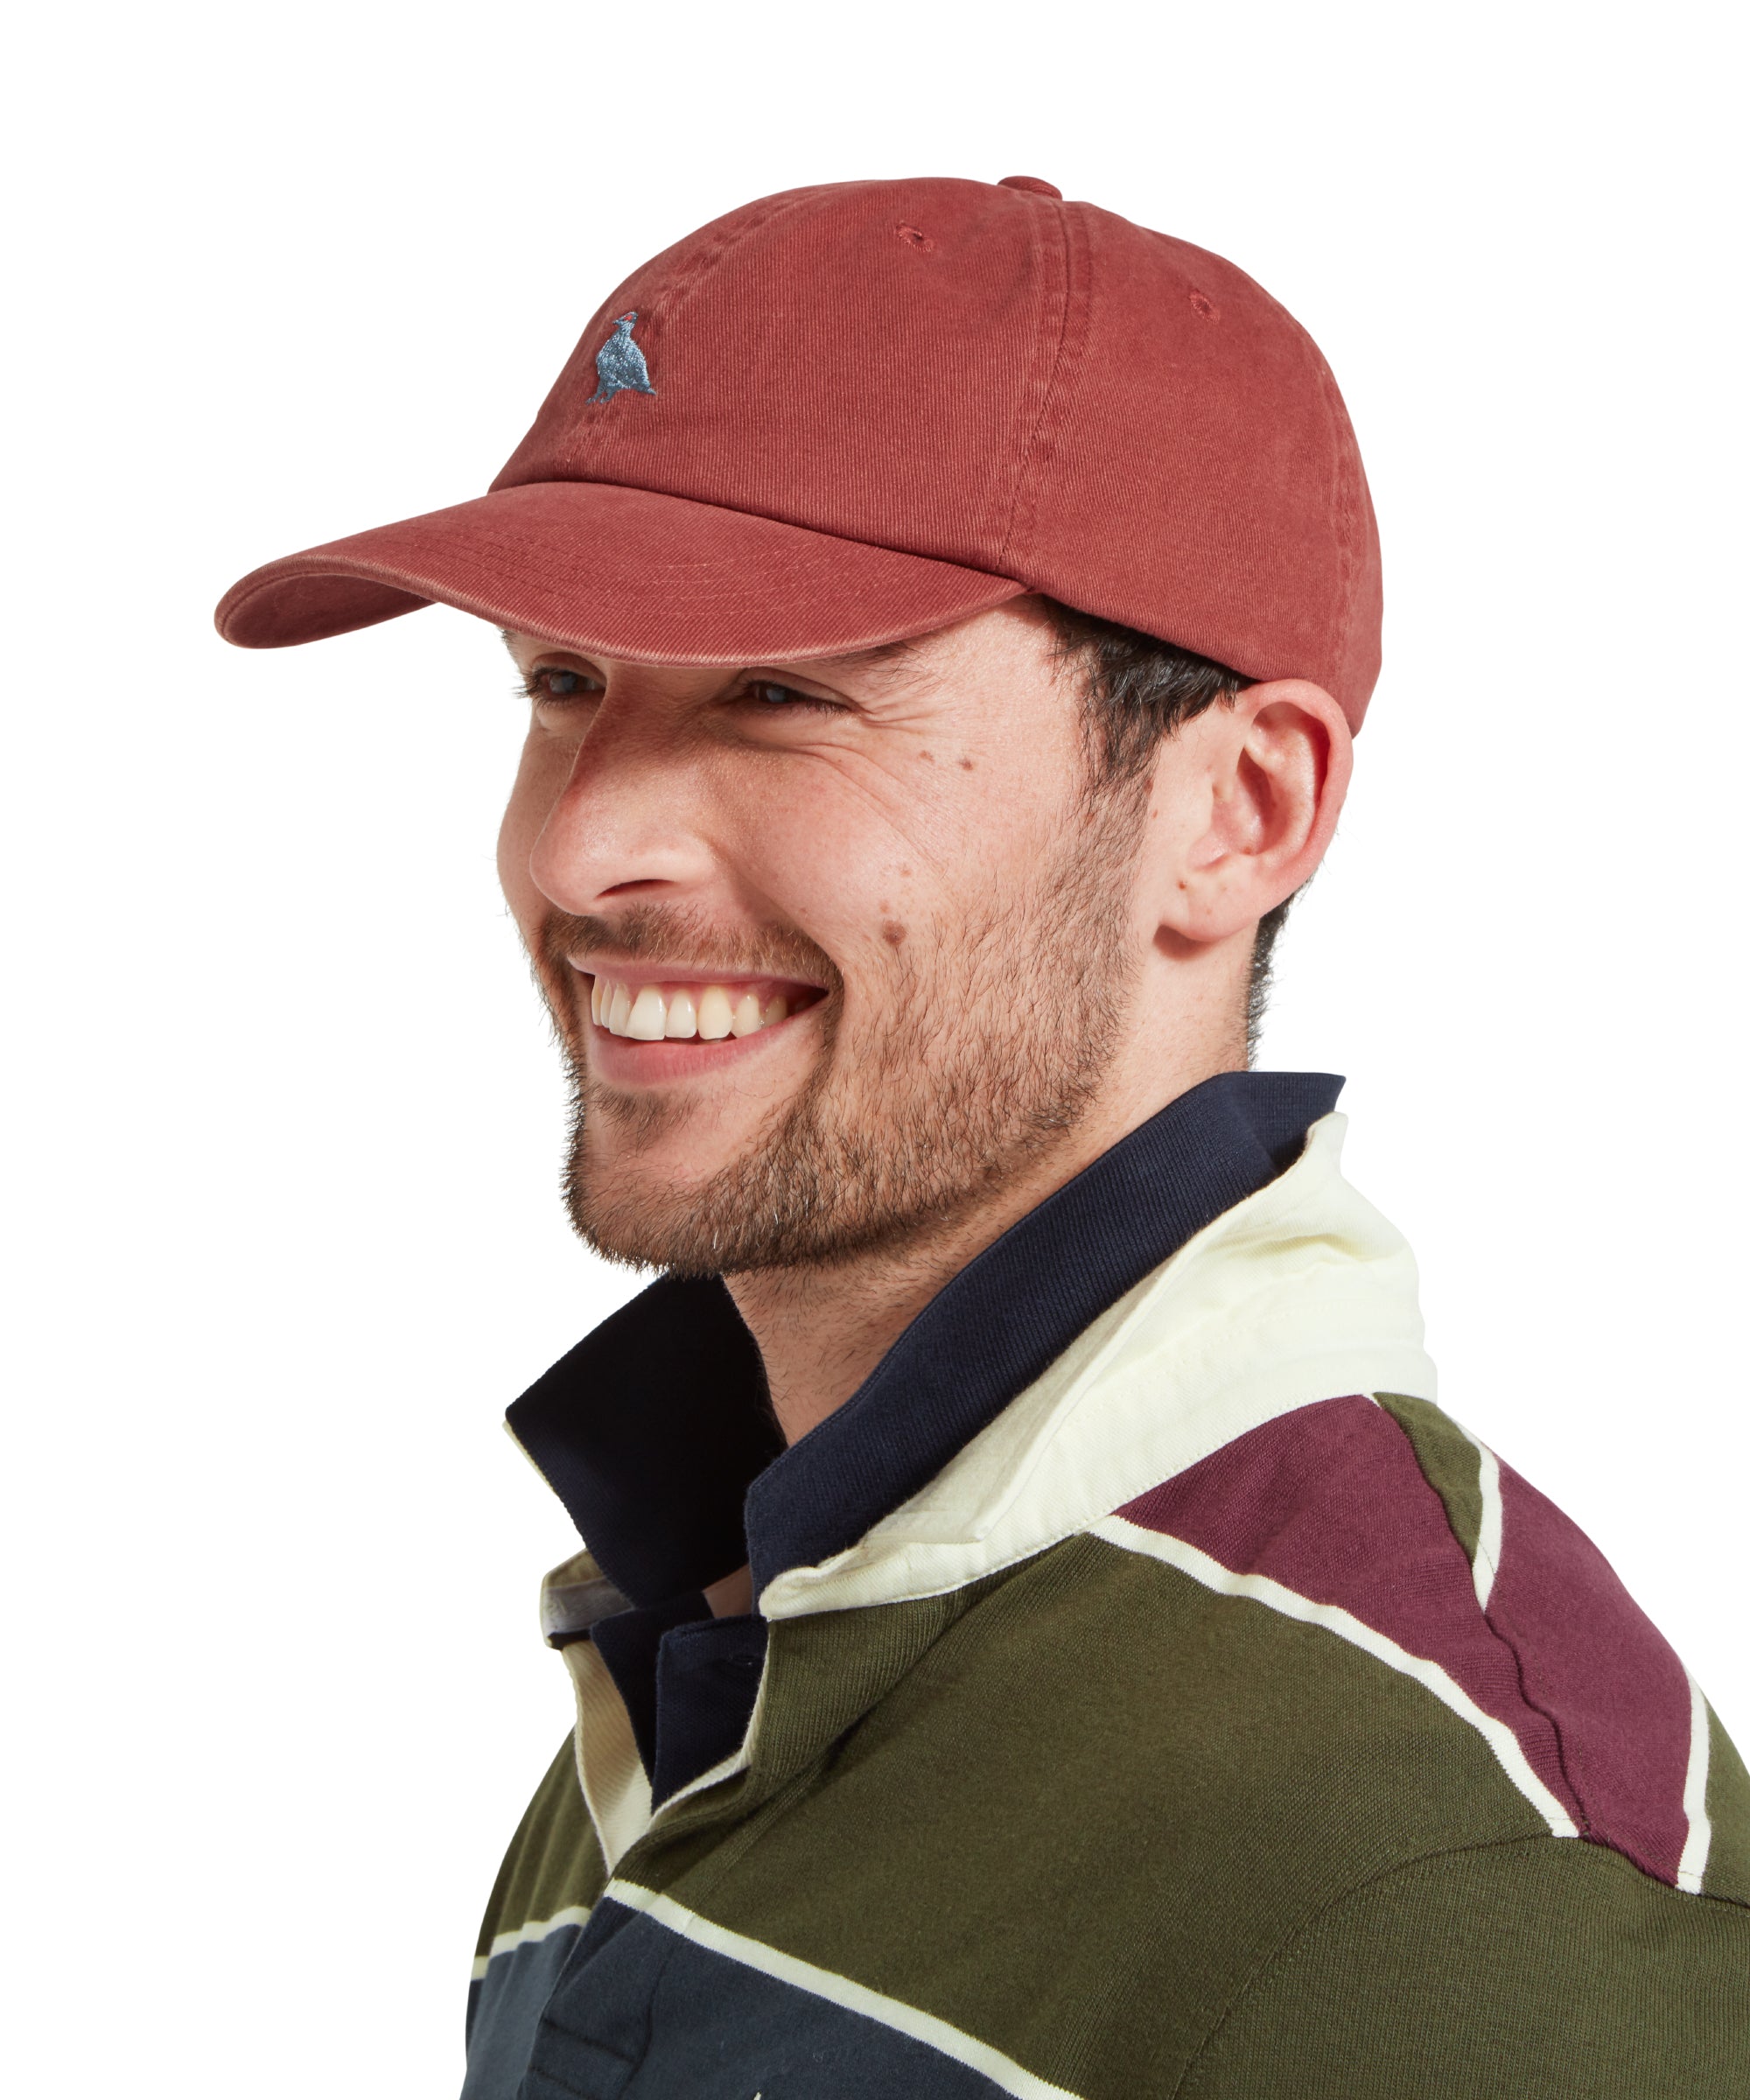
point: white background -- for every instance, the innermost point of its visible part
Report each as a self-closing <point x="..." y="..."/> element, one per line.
<point x="285" y="1124"/>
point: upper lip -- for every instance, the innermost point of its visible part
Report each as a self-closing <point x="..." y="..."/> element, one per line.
<point x="646" y="970"/>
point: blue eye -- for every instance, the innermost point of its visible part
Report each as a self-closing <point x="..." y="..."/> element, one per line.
<point x="553" y="683"/>
<point x="772" y="696"/>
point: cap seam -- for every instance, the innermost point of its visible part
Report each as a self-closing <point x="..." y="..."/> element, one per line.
<point x="1344" y="507"/>
<point x="1024" y="504"/>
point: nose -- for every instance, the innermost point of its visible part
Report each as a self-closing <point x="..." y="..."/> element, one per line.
<point x="626" y="817"/>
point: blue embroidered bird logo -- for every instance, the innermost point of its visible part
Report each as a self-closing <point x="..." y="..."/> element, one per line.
<point x="619" y="364"/>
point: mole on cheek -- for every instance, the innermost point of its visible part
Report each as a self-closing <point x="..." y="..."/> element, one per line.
<point x="892" y="932"/>
<point x="966" y="764"/>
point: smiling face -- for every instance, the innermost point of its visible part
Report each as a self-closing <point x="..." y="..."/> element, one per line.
<point x="834" y="950"/>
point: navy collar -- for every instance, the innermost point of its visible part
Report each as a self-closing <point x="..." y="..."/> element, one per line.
<point x="657" y="1434"/>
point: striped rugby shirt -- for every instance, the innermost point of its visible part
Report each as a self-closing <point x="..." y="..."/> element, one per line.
<point x="1151" y="1692"/>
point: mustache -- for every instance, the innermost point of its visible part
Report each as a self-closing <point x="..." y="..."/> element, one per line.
<point x="667" y="931"/>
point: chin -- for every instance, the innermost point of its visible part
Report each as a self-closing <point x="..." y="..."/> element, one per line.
<point x="643" y="1239"/>
<point x="638" y="1203"/>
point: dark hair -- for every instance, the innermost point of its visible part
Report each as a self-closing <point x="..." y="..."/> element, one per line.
<point x="1137" y="692"/>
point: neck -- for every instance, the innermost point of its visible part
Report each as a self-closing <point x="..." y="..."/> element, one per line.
<point x="822" y="1329"/>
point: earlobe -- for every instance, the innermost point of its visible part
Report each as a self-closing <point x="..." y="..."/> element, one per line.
<point x="1246" y="798"/>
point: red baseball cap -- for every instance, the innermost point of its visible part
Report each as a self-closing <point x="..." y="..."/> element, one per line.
<point x="846" y="415"/>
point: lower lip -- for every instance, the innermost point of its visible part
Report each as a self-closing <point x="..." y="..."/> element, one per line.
<point x="626" y="1061"/>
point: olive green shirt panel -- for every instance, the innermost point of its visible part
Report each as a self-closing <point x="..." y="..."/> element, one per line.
<point x="1093" y="1808"/>
<point x="1448" y="1459"/>
<point x="554" y="1862"/>
<point x="1548" y="1969"/>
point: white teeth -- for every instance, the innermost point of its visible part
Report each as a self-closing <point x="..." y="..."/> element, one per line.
<point x="648" y="1016"/>
<point x="717" y="1017"/>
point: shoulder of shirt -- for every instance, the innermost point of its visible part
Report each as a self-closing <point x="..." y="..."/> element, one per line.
<point x="1363" y="1549"/>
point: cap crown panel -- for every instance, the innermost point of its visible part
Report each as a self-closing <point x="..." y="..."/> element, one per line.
<point x="817" y="364"/>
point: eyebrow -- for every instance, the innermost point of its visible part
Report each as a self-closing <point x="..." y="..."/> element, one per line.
<point x="900" y="655"/>
<point x="898" y="659"/>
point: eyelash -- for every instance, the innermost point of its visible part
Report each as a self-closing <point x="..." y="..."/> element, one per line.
<point x="535" y="689"/>
<point x="798" y="703"/>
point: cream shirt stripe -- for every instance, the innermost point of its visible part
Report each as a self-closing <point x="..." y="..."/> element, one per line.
<point x="1486" y="1562"/>
<point x="527" y="1935"/>
<point x="1202" y="1567"/>
<point x="1693" y="1865"/>
<point x="1001" y="2071"/>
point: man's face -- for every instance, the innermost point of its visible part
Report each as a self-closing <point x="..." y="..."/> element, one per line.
<point x="835" y="949"/>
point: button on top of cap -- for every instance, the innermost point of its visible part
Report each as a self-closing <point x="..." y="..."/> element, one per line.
<point x="1033" y="183"/>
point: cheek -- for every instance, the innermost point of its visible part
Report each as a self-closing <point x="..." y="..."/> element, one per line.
<point x="886" y="880"/>
<point x="840" y="864"/>
<point x="531" y="796"/>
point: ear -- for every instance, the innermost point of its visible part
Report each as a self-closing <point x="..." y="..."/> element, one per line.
<point x="1246" y="799"/>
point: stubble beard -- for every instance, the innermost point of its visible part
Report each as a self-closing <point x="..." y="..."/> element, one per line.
<point x="993" y="1046"/>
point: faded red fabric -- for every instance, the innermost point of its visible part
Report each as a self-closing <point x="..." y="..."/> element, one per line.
<point x="882" y="406"/>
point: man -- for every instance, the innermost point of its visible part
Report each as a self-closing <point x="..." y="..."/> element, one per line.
<point x="1035" y="1633"/>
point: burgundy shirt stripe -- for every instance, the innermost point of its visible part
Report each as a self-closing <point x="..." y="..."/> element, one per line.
<point x="1329" y="1501"/>
<point x="1595" y="1664"/>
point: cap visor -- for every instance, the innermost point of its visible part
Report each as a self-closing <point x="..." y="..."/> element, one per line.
<point x="614" y="572"/>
